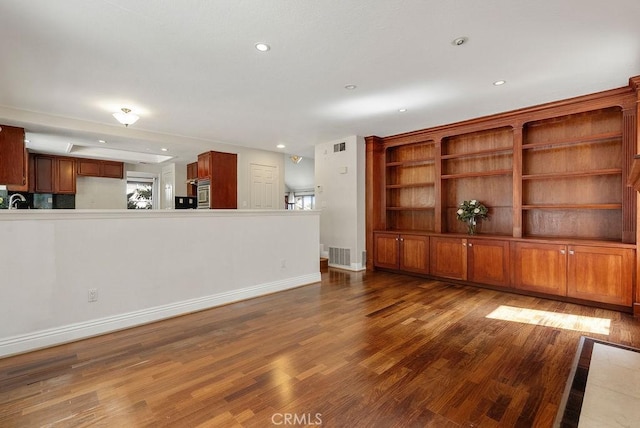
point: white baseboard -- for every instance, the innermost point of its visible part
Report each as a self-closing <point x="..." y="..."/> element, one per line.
<point x="55" y="336"/>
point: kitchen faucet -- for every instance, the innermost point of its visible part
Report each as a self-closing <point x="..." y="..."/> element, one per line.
<point x="14" y="198"/>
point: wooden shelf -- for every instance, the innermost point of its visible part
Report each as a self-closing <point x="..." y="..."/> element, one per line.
<point x="486" y="152"/>
<point x="410" y="208"/>
<point x="409" y="185"/>
<point x="412" y="162"/>
<point x="573" y="206"/>
<point x="552" y="175"/>
<point x="598" y="138"/>
<point x="478" y="174"/>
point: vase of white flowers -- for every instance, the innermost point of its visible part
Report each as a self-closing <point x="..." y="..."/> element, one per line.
<point x="470" y="212"/>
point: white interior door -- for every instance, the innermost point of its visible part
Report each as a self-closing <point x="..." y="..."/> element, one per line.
<point x="264" y="190"/>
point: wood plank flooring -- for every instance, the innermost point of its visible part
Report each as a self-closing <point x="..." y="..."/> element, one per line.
<point x="358" y="350"/>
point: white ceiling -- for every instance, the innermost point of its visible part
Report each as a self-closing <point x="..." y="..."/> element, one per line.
<point x="189" y="68"/>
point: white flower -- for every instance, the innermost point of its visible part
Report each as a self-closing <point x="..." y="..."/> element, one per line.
<point x="473" y="202"/>
<point x="460" y="211"/>
<point x="477" y="210"/>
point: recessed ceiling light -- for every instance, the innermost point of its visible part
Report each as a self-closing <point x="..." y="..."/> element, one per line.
<point x="499" y="82"/>
<point x="281" y="146"/>
<point x="402" y="110"/>
<point x="350" y="87"/>
<point x="164" y="149"/>
<point x="263" y="47"/>
<point x="459" y="41"/>
<point x="102" y="141"/>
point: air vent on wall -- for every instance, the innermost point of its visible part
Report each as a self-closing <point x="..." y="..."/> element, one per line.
<point x="340" y="256"/>
<point x="339" y="147"/>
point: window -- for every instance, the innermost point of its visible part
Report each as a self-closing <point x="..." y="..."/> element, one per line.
<point x="141" y="191"/>
<point x="305" y="202"/>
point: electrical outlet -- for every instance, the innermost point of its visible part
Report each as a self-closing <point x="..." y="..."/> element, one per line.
<point x="93" y="295"/>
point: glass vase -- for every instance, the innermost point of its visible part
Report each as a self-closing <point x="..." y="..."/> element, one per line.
<point x="471" y="226"/>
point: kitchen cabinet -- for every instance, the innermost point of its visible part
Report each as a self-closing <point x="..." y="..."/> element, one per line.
<point x="30" y="181"/>
<point x="54" y="174"/>
<point x="221" y="170"/>
<point x="483" y="261"/>
<point x="100" y="168"/>
<point x="13" y="157"/>
<point x="192" y="179"/>
<point x="406" y="252"/>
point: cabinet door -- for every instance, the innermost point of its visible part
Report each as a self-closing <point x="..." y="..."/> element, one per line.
<point x="44" y="174"/>
<point x="488" y="261"/>
<point x="414" y="253"/>
<point x="601" y="274"/>
<point x="192" y="171"/>
<point x="88" y="167"/>
<point x="112" y="169"/>
<point x="448" y="257"/>
<point x="224" y="180"/>
<point x="12" y="156"/>
<point x="540" y="267"/>
<point x="65" y="176"/>
<point x="204" y="165"/>
<point x="386" y="250"/>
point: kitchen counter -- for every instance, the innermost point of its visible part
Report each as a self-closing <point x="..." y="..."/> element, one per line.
<point x="173" y="262"/>
<point x="33" y="214"/>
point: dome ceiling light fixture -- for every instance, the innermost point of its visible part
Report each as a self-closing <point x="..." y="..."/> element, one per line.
<point x="125" y="117"/>
<point x="295" y="158"/>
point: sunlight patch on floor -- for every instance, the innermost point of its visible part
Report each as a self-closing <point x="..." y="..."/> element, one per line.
<point x="552" y="319"/>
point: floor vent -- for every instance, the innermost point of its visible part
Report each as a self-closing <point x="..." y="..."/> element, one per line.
<point x="340" y="256"/>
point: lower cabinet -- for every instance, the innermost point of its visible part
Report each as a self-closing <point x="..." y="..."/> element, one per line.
<point x="540" y="267"/>
<point x="598" y="274"/>
<point x="448" y="257"/>
<point x="485" y="261"/>
<point x="405" y="252"/>
<point x="488" y="261"/>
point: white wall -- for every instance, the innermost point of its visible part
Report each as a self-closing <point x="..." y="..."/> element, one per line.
<point x="299" y="176"/>
<point x="101" y="193"/>
<point x="340" y="195"/>
<point x="147" y="265"/>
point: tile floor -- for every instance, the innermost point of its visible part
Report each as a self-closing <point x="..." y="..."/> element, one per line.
<point x="604" y="387"/>
<point x="612" y="395"/>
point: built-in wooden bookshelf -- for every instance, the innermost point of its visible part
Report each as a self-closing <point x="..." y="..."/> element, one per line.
<point x="478" y="165"/>
<point x="554" y="178"/>
<point x="410" y="187"/>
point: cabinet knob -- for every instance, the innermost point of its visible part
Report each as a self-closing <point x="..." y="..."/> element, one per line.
<point x="470" y="244"/>
<point x="571" y="252"/>
<point x="464" y="244"/>
<point x="563" y="252"/>
<point x="402" y="239"/>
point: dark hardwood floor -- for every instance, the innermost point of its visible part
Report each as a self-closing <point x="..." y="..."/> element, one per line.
<point x="358" y="350"/>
